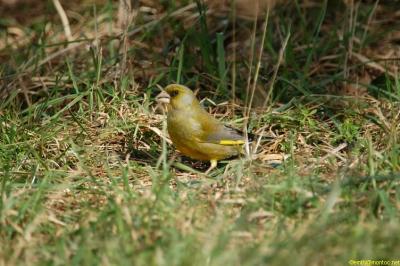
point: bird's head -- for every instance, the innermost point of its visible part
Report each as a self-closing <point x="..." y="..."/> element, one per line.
<point x="177" y="97"/>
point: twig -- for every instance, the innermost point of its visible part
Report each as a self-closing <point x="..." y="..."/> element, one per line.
<point x="369" y="62"/>
<point x="64" y="20"/>
<point x="331" y="153"/>
<point x="275" y="74"/>
<point x="271" y="87"/>
<point x="258" y="66"/>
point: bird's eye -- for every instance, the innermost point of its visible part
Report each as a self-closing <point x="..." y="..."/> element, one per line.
<point x="173" y="93"/>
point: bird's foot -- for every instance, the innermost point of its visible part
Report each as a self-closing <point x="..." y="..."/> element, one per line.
<point x="212" y="166"/>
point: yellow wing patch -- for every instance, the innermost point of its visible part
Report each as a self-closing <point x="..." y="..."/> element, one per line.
<point x="231" y="142"/>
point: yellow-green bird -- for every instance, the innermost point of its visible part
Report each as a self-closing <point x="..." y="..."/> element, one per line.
<point x="196" y="133"/>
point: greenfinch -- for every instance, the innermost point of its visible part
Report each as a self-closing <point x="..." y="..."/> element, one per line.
<point x="195" y="132"/>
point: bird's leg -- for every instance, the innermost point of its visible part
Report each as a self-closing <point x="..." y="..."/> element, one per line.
<point x="212" y="166"/>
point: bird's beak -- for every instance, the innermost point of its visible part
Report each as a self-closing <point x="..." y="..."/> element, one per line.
<point x="163" y="97"/>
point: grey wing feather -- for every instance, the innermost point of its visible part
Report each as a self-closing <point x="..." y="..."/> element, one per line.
<point x="219" y="131"/>
<point x="225" y="133"/>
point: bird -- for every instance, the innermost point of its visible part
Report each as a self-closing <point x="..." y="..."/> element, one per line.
<point x="195" y="132"/>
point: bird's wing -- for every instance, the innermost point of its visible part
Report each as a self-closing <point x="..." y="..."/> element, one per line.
<point x="224" y="135"/>
<point x="213" y="131"/>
